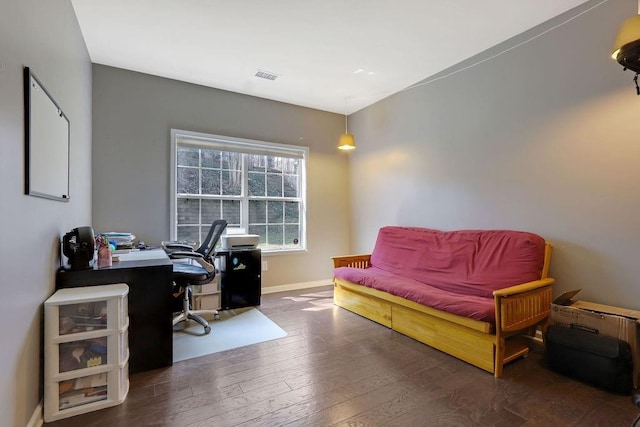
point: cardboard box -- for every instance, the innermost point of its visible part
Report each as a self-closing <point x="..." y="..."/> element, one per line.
<point x="610" y="321"/>
<point x="206" y="302"/>
<point x="209" y="288"/>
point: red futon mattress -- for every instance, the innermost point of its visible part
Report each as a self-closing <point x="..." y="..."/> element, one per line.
<point x="453" y="271"/>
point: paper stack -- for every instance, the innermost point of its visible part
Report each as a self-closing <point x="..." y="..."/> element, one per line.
<point x="123" y="240"/>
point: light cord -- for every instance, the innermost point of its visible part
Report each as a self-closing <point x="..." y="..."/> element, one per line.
<point x="346" y="108"/>
<point x="506" y="50"/>
<point x="452" y="73"/>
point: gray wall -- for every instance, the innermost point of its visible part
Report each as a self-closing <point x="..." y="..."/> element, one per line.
<point x="46" y="37"/>
<point x="132" y="117"/>
<point x="543" y="138"/>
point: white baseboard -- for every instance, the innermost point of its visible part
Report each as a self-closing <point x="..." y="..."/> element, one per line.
<point x="296" y="286"/>
<point x="36" y="419"/>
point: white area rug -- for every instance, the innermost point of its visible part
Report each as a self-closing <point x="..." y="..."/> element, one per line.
<point x="236" y="328"/>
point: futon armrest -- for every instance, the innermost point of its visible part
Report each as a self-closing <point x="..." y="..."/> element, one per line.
<point x="354" y="261"/>
<point x="522" y="306"/>
<point x="524" y="287"/>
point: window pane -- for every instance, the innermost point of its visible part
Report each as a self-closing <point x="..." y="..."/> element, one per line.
<point x="187" y="156"/>
<point x="231" y="211"/>
<point x="189" y="234"/>
<point x="290" y="186"/>
<point x="210" y="182"/>
<point x="204" y="229"/>
<point x="275" y="234"/>
<point x="260" y="230"/>
<point x="292" y="235"/>
<point x="231" y="161"/>
<point x="256" y="184"/>
<point x="274" y="185"/>
<point x="231" y="183"/>
<point x="257" y="162"/>
<point x="293" y="167"/>
<point x="275" y="212"/>
<point x="291" y="212"/>
<point x="188" y="181"/>
<point x="257" y="212"/>
<point x="188" y="211"/>
<point x="275" y="164"/>
<point x="210" y="211"/>
<point x="210" y="159"/>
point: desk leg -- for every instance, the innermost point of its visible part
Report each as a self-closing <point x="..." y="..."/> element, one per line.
<point x="151" y="331"/>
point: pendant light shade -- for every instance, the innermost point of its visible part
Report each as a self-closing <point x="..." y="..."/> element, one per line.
<point x="347" y="142"/>
<point x="626" y="49"/>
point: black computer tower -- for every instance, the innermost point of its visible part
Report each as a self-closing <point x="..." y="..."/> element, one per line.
<point x="240" y="283"/>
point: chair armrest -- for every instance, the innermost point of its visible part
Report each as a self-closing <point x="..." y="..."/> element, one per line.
<point x="176" y="245"/>
<point x="354" y="261"/>
<point x="207" y="266"/>
<point x="184" y="254"/>
<point x="196" y="257"/>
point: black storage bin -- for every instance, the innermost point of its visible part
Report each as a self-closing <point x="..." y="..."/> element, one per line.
<point x="583" y="354"/>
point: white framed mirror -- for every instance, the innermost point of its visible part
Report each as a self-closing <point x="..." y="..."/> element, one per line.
<point x="46" y="142"/>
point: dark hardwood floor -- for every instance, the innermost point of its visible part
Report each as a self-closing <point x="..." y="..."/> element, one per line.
<point x="337" y="368"/>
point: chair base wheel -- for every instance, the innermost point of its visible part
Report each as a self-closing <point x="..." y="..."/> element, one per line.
<point x="207" y="330"/>
<point x="216" y="316"/>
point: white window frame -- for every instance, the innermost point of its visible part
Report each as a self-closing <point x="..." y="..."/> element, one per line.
<point x="245" y="146"/>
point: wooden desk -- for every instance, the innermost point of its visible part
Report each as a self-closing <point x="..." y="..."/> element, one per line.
<point x="149" y="276"/>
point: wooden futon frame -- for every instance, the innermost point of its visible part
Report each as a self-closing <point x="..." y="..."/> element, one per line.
<point x="519" y="310"/>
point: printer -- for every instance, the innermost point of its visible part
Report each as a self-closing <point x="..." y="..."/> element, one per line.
<point x="239" y="241"/>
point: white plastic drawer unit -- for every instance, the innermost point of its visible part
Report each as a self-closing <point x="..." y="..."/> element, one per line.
<point x="86" y="350"/>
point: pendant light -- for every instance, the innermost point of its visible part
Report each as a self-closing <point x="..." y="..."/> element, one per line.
<point x="347" y="141"/>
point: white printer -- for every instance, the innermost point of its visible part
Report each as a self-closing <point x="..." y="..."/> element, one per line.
<point x="239" y="241"/>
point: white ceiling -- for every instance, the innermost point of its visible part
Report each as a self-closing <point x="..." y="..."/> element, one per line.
<point x="314" y="46"/>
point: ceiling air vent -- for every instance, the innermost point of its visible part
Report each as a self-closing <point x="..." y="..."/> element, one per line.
<point x="266" y="75"/>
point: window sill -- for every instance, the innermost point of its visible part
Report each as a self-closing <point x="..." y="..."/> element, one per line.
<point x="276" y="252"/>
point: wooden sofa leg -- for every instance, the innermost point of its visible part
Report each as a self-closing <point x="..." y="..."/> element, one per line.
<point x="499" y="359"/>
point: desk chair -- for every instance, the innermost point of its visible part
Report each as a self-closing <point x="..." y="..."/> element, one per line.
<point x="199" y="270"/>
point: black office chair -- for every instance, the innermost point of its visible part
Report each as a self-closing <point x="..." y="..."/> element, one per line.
<point x="200" y="270"/>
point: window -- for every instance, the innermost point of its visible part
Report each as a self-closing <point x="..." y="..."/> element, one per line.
<point x="254" y="185"/>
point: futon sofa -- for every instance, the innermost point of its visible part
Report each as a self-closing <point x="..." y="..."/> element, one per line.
<point x="474" y="294"/>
